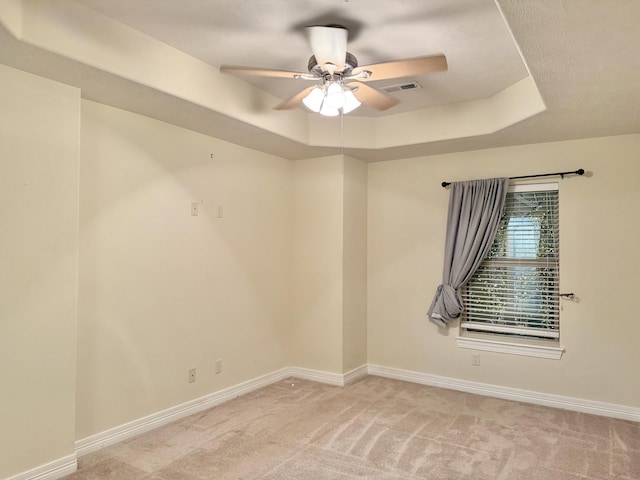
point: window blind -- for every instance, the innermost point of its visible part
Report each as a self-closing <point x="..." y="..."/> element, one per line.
<point x="515" y="291"/>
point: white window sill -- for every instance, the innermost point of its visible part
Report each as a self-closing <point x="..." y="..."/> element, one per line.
<point x="528" y="348"/>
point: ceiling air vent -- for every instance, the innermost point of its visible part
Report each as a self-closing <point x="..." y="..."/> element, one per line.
<point x="401" y="87"/>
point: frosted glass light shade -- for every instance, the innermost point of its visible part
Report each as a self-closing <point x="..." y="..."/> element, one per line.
<point x="350" y="101"/>
<point x="328" y="111"/>
<point x="314" y="100"/>
<point x="335" y="95"/>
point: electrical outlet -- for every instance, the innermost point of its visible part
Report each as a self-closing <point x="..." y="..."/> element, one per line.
<point x="475" y="359"/>
<point x="192" y="375"/>
<point x="218" y="366"/>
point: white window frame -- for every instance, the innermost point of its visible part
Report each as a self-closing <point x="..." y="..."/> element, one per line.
<point x="492" y="341"/>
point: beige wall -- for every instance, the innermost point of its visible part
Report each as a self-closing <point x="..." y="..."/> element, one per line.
<point x="316" y="295"/>
<point x="162" y="291"/>
<point x="39" y="144"/>
<point x="329" y="264"/>
<point x="354" y="265"/>
<point x="599" y="262"/>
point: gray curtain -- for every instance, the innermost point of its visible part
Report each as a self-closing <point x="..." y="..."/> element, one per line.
<point x="475" y="208"/>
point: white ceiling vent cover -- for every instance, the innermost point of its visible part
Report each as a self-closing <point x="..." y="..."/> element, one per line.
<point x="401" y="87"/>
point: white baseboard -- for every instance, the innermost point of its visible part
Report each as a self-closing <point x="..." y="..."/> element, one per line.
<point x="320" y="376"/>
<point x="136" y="427"/>
<point x="356" y="374"/>
<point x="128" y="430"/>
<point x="50" y="471"/>
<point x="330" y="378"/>
<point x="557" y="401"/>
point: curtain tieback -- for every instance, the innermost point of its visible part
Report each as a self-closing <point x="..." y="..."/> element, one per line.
<point x="447" y="305"/>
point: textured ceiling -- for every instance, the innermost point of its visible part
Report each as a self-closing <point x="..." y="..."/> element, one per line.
<point x="583" y="55"/>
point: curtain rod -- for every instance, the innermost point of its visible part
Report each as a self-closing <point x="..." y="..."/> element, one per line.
<point x="580" y="171"/>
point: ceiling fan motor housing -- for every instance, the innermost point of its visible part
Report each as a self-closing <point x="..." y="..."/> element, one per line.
<point x="350" y="63"/>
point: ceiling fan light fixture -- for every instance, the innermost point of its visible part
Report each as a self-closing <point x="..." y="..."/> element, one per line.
<point x="333" y="67"/>
<point x="314" y="100"/>
<point x="329" y="99"/>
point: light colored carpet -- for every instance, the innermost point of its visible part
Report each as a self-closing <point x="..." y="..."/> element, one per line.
<point x="377" y="429"/>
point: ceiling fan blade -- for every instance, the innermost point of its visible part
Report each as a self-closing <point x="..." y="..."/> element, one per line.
<point x="374" y="97"/>
<point x="329" y="46"/>
<point x="265" y="72"/>
<point x="296" y="100"/>
<point x="402" y="68"/>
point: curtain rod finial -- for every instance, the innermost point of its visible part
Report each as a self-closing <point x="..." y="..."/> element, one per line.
<point x="580" y="171"/>
<point x="445" y="184"/>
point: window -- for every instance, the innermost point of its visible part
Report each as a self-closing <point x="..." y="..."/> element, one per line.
<point x="514" y="295"/>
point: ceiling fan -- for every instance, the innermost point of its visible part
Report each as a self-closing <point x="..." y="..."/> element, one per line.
<point x="340" y="83"/>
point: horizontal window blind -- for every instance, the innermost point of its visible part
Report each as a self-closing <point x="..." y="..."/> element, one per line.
<point x="515" y="291"/>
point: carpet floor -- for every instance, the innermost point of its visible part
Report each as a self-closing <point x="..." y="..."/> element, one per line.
<point x="375" y="429"/>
